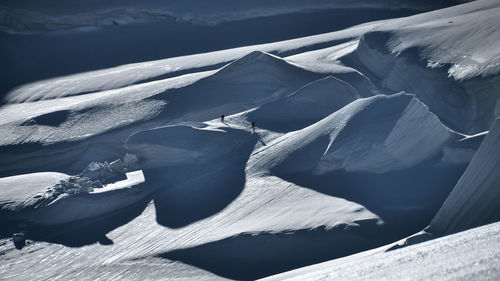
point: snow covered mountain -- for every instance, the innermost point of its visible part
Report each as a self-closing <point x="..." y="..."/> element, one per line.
<point x="55" y="38"/>
<point x="153" y="170"/>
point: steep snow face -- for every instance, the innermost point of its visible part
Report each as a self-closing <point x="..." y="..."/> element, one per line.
<point x="327" y="61"/>
<point x="465" y="106"/>
<point x="185" y="145"/>
<point x="306" y="106"/>
<point x="467" y="43"/>
<point x="388" y="146"/>
<point x="463" y="149"/>
<point x="377" y="135"/>
<point x="475" y="200"/>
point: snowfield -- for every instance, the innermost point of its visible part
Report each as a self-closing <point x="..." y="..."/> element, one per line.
<point x="462" y="256"/>
<point x="326" y="156"/>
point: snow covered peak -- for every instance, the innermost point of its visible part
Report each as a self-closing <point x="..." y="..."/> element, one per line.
<point x="254" y="64"/>
<point x="255" y="56"/>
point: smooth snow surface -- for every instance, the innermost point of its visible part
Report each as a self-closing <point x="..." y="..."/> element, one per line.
<point x="27" y="190"/>
<point x="473" y="254"/>
<point x="153" y="170"/>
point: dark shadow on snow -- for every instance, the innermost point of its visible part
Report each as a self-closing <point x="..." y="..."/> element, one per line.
<point x="251" y="256"/>
<point x="194" y="192"/>
<point x="53" y="119"/>
<point x="81" y="232"/>
<point x="406" y="200"/>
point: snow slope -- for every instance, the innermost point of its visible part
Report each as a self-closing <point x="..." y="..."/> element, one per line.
<point x="55" y="198"/>
<point x="377" y="134"/>
<point x="466" y="255"/>
<point x="475" y="199"/>
<point x="168" y="101"/>
<point x="407" y="40"/>
<point x="406" y="71"/>
<point x="47" y="37"/>
<point x="361" y="135"/>
<point x="27" y="190"/>
<point x="261" y="216"/>
<point x="306" y="106"/>
<point x="225" y="209"/>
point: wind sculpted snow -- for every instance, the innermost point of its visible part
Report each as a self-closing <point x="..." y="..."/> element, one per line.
<point x="372" y="134"/>
<point x="56" y="198"/>
<point x="457" y="103"/>
<point x="247" y="162"/>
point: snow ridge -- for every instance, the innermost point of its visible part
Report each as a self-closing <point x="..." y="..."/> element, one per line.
<point x="266" y="164"/>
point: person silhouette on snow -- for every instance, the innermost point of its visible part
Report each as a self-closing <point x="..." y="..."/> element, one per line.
<point x="253" y="126"/>
<point x="222" y="118"/>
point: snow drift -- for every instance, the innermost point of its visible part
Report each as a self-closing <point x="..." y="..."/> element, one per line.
<point x="457" y="103"/>
<point x="360" y="136"/>
<point x="377" y="135"/>
<point x="55" y="198"/>
<point x="90" y="123"/>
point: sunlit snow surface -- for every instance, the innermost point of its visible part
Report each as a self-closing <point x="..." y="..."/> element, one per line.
<point x="133" y="178"/>
<point x="473" y="254"/>
<point x="361" y="135"/>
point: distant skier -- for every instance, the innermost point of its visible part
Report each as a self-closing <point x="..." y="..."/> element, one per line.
<point x="222" y="118"/>
<point x="253" y="126"/>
